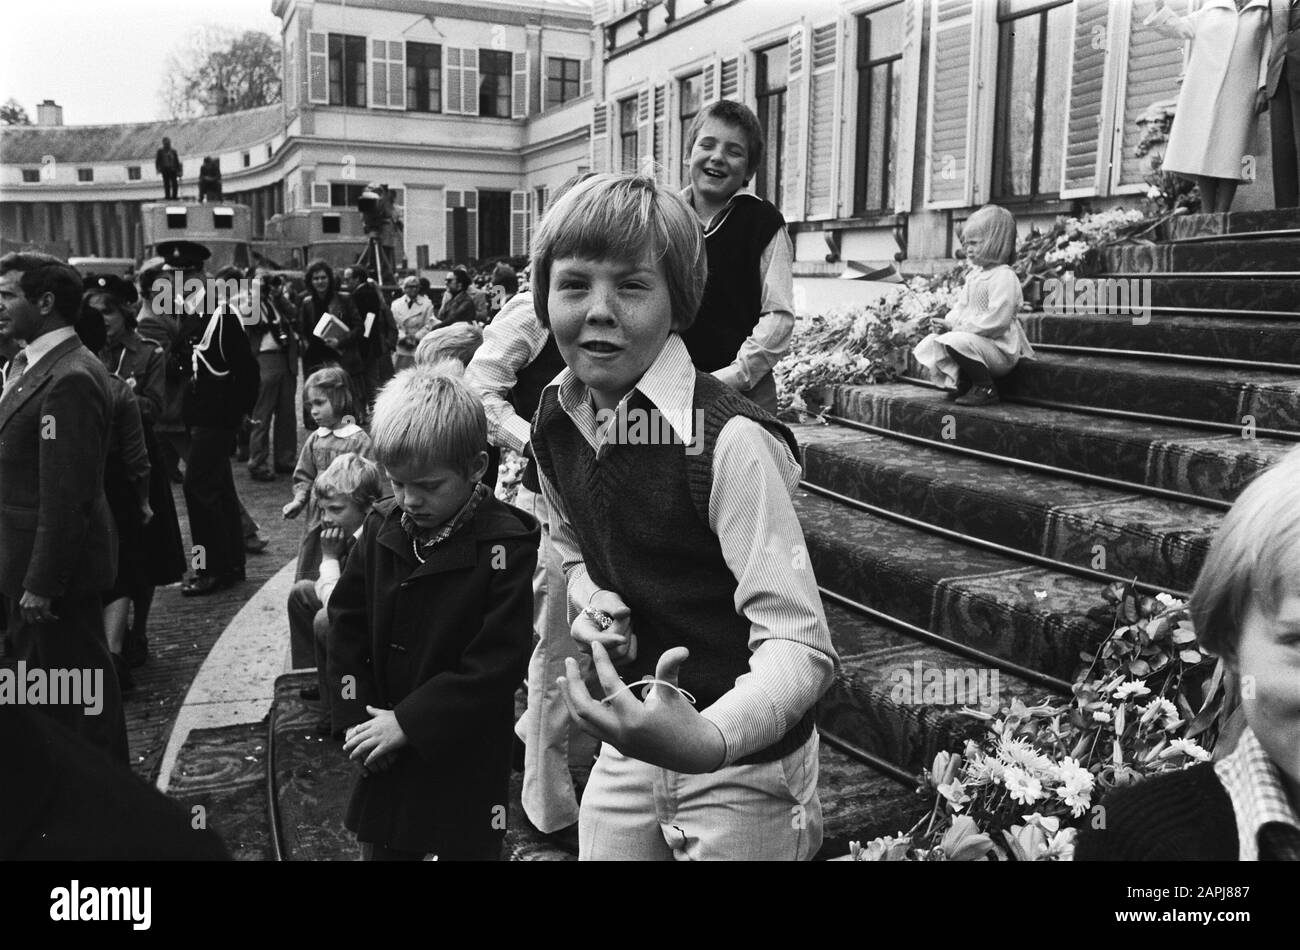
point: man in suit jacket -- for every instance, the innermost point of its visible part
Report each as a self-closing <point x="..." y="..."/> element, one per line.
<point x="1283" y="89"/>
<point x="58" y="547"/>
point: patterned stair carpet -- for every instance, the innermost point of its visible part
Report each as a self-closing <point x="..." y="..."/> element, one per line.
<point x="996" y="585"/>
<point x="220" y="775"/>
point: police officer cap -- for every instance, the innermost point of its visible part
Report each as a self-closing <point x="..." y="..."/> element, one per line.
<point x="183" y="255"/>
<point x="118" y="287"/>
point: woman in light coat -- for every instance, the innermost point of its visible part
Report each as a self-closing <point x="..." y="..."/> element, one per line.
<point x="1213" y="138"/>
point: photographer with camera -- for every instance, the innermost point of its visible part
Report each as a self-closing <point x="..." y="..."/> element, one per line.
<point x="274" y="342"/>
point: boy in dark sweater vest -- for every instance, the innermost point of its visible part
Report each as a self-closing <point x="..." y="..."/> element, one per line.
<point x="1246" y="608"/>
<point x="670" y="494"/>
<point x="747" y="315"/>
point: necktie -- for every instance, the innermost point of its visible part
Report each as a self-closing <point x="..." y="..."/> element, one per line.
<point x="17" y="366"/>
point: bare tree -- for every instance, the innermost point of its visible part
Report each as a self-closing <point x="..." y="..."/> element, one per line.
<point x="221" y="70"/>
<point x="12" y="113"/>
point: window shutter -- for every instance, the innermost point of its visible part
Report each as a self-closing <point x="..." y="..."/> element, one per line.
<point x="585" y="73"/>
<point x="1086" y="137"/>
<point x="908" y="101"/>
<point x="396" y="74"/>
<point x="519" y="85"/>
<point x="520" y="222"/>
<point x="471" y="208"/>
<point x="318" y="68"/>
<point x="644" y="149"/>
<point x="469" y="83"/>
<point x="451" y="85"/>
<point x="659" y="146"/>
<point x="948" y="173"/>
<point x="600" y="137"/>
<point x="709" y="85"/>
<point x="1153" y="64"/>
<point x="821" y="122"/>
<point x="320" y="193"/>
<point x="454" y="199"/>
<point x="792" y="199"/>
<point x="730" y="81"/>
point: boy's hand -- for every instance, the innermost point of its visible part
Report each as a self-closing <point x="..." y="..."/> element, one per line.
<point x="664" y="731"/>
<point x="333" y="541"/>
<point x="369" y="742"/>
<point x="617" y="639"/>
<point x="291" y="510"/>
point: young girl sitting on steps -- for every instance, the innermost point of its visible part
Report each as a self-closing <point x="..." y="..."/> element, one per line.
<point x="981" y="339"/>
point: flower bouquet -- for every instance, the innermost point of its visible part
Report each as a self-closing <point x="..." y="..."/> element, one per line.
<point x="1022" y="791"/>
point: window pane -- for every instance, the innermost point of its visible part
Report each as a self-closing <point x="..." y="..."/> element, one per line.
<point x="692" y="90"/>
<point x="774" y="68"/>
<point x="886" y="32"/>
<point x="1020" y="47"/>
<point x="494" y="83"/>
<point x="1056" y="75"/>
<point x="876" y="148"/>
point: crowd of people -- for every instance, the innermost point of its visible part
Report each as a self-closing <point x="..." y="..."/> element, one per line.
<point x="623" y="586"/>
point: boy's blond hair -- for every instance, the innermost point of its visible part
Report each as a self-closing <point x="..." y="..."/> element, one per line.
<point x="624" y="218"/>
<point x="457" y="342"/>
<point x="352" y="475"/>
<point x="1254" y="560"/>
<point x="427" y="417"/>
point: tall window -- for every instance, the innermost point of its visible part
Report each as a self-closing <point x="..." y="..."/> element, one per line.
<point x="1028" y="121"/>
<point x="690" y="99"/>
<point x="627" y="150"/>
<point x="347" y="70"/>
<point x="880" y="64"/>
<point x="772" y="72"/>
<point x="563" y="80"/>
<point x="423" y="77"/>
<point x="494" y="83"/>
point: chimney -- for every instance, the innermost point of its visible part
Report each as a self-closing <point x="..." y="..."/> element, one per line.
<point x="49" y="112"/>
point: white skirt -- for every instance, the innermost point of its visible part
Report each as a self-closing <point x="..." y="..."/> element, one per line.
<point x="931" y="353"/>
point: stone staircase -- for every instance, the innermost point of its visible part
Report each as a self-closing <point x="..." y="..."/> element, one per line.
<point x="969" y="539"/>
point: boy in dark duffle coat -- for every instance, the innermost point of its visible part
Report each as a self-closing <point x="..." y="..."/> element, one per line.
<point x="431" y="629"/>
<point x="58" y="547"/>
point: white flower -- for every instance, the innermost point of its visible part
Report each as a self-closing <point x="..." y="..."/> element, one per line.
<point x="1161" y="708"/>
<point x="1187" y="747"/>
<point x="1134" y="688"/>
<point x="1104" y="714"/>
<point x="955" y="793"/>
<point x="1022" y="786"/>
<point x="1173" y="603"/>
<point x="1020" y="753"/>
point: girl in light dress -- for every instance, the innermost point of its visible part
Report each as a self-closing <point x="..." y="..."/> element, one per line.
<point x="981" y="338"/>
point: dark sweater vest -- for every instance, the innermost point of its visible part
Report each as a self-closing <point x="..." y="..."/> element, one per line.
<point x="527" y="393"/>
<point x="1176" y="816"/>
<point x="733" y="293"/>
<point x="641" y="516"/>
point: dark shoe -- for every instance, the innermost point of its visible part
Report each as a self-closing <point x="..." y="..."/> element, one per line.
<point x="125" y="682"/>
<point x="261" y="474"/>
<point x="310" y="693"/>
<point x="979" y="396"/>
<point x="963" y="387"/>
<point x="135" y="650"/>
<point x="256" y="544"/>
<point x="202" y="584"/>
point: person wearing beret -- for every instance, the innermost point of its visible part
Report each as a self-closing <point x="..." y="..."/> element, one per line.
<point x="58" y="550"/>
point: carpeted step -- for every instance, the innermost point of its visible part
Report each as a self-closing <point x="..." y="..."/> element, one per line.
<point x="1022" y="613"/>
<point x="1224" y="256"/>
<point x="1234" y="397"/>
<point x="859" y="803"/>
<point x="901" y="700"/>
<point x="1270" y="341"/>
<point x="1193" y="292"/>
<point x="1187" y="226"/>
<point x="1163" y="456"/>
<point x="1159" y="541"/>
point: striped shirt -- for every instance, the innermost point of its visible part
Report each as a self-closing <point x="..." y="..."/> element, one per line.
<point x="792" y="660"/>
<point x="1259" y="797"/>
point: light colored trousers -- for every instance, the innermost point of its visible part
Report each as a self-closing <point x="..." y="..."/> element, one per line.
<point x="632" y="811"/>
<point x="545" y="729"/>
